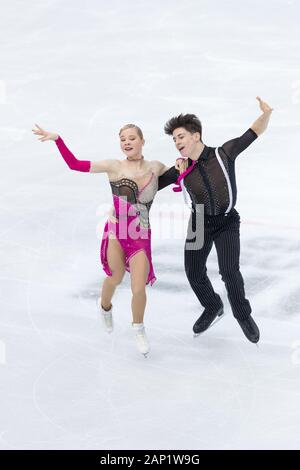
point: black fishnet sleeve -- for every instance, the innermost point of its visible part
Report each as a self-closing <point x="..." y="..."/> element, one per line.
<point x="168" y="177"/>
<point x="234" y="147"/>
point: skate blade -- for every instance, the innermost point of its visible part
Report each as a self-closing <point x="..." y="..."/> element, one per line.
<point x="212" y="324"/>
<point x="107" y="329"/>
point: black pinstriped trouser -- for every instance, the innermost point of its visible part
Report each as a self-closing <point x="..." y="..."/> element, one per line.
<point x="224" y="232"/>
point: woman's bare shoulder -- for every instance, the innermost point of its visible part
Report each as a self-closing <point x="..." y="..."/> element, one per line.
<point x="105" y="166"/>
<point x="158" y="167"/>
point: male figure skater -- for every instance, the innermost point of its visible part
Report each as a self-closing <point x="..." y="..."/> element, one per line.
<point x="210" y="180"/>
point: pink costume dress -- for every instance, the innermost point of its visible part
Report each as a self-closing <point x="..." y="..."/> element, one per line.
<point x="132" y="227"/>
<point x="131" y="207"/>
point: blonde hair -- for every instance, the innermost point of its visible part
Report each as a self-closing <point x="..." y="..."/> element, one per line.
<point x="132" y="126"/>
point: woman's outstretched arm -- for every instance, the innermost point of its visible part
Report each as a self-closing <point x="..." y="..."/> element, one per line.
<point x="101" y="166"/>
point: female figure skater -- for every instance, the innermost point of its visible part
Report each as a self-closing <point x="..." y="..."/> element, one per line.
<point x="126" y="242"/>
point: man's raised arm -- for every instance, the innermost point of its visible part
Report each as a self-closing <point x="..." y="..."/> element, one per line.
<point x="260" y="125"/>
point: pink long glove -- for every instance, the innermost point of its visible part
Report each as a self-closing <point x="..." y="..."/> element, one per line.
<point x="70" y="159"/>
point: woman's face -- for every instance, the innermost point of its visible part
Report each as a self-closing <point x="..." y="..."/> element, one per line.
<point x="131" y="144"/>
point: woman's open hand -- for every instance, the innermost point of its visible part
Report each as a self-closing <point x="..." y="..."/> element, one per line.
<point x="45" y="135"/>
<point x="181" y="164"/>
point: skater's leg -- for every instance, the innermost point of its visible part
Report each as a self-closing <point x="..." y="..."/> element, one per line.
<point x="139" y="270"/>
<point x="227" y="244"/>
<point x="116" y="261"/>
<point x="196" y="271"/>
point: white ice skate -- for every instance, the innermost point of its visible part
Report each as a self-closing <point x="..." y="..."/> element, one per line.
<point x="107" y="317"/>
<point x="141" y="338"/>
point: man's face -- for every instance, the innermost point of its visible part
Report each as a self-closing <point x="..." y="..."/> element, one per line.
<point x="185" y="141"/>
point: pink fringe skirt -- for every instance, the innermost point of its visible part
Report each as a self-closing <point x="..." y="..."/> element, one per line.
<point x="130" y="245"/>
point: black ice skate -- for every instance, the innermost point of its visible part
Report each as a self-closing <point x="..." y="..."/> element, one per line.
<point x="207" y="319"/>
<point x="250" y="329"/>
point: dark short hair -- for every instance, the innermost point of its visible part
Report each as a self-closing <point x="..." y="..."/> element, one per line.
<point x="189" y="122"/>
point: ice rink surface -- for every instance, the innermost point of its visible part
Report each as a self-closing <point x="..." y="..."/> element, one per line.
<point x="84" y="69"/>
